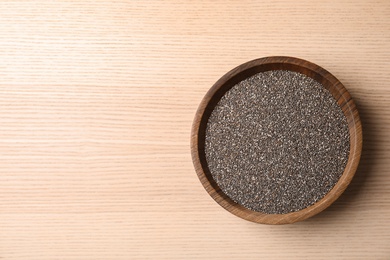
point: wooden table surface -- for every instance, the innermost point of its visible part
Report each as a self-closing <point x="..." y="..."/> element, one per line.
<point x="96" y="105"/>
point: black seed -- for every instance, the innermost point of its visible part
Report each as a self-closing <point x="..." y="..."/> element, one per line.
<point x="277" y="142"/>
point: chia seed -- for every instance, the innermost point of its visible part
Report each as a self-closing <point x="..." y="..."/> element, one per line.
<point x="277" y="142"/>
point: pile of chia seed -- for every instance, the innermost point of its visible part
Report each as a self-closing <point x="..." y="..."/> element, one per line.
<point x="277" y="142"/>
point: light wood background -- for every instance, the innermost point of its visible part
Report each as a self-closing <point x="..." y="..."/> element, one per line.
<point x="96" y="105"/>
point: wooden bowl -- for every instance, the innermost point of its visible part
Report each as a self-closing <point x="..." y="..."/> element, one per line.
<point x="242" y="72"/>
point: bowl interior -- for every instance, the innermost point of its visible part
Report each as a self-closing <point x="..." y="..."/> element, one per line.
<point x="242" y="72"/>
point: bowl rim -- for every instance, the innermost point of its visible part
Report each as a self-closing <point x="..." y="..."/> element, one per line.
<point x="338" y="91"/>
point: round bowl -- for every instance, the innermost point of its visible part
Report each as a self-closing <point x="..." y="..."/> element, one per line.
<point x="242" y="72"/>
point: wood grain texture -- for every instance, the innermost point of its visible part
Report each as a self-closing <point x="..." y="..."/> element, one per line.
<point x="243" y="72"/>
<point x="96" y="105"/>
